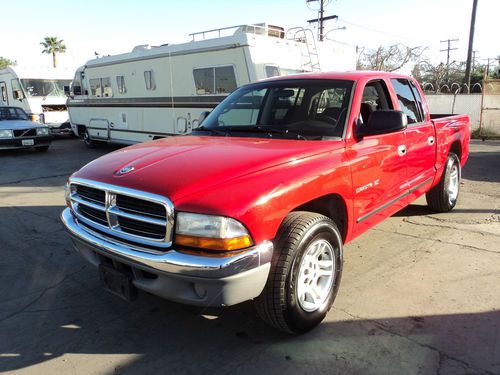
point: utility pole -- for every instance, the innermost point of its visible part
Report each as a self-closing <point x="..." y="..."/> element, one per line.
<point x="474" y="61"/>
<point x="321" y="19"/>
<point x="471" y="42"/>
<point x="447" y="50"/>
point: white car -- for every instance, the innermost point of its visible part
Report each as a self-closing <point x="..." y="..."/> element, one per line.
<point x="17" y="131"/>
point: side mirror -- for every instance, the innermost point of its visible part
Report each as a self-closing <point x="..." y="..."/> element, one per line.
<point x="382" y="122"/>
<point x="67" y="91"/>
<point x="77" y="90"/>
<point x="203" y="116"/>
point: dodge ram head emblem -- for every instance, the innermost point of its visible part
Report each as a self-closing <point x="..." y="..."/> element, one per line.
<point x="125" y="170"/>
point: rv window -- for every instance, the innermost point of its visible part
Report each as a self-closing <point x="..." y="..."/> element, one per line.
<point x="95" y="87"/>
<point x="272" y="71"/>
<point x="4" y="93"/>
<point x="106" y="87"/>
<point x="150" y="80"/>
<point x="216" y="80"/>
<point x="16" y="88"/>
<point x="120" y="82"/>
<point x="44" y="87"/>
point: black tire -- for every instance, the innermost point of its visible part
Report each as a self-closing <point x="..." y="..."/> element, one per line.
<point x="42" y="148"/>
<point x="443" y="197"/>
<point x="87" y="140"/>
<point x="279" y="304"/>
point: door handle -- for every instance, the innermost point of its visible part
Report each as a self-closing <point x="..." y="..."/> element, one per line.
<point x="402" y="150"/>
<point x="430" y="140"/>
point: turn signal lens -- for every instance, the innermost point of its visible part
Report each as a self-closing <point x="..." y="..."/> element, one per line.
<point x="219" y="244"/>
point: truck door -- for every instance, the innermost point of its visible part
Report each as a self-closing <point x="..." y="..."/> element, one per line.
<point x="378" y="163"/>
<point x="420" y="137"/>
<point x="4" y="99"/>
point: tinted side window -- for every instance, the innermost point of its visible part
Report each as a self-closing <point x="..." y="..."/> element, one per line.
<point x="407" y="100"/>
<point x="375" y="97"/>
<point x="418" y="98"/>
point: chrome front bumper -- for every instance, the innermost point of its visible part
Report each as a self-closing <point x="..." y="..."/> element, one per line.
<point x="186" y="278"/>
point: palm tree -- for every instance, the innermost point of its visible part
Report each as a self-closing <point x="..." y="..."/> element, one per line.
<point x="53" y="46"/>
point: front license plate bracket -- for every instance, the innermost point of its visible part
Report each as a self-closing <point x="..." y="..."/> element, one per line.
<point x="117" y="282"/>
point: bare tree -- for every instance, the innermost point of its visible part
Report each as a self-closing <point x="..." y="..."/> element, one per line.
<point x="388" y="58"/>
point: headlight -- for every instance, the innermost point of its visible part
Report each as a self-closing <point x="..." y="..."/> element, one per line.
<point x="211" y="232"/>
<point x="42" y="131"/>
<point x="6" y="133"/>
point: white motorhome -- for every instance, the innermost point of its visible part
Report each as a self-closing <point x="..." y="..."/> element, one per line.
<point x="154" y="92"/>
<point x="40" y="92"/>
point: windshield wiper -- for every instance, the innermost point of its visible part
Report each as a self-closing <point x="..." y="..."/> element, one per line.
<point x="266" y="129"/>
<point x="213" y="131"/>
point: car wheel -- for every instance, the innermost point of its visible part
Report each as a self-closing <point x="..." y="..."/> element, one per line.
<point x="305" y="273"/>
<point x="443" y="197"/>
<point x="42" y="148"/>
<point x="87" y="140"/>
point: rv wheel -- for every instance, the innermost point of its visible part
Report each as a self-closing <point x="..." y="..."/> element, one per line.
<point x="87" y="140"/>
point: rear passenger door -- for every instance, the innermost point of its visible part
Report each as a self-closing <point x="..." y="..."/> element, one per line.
<point x="378" y="163"/>
<point x="420" y="137"/>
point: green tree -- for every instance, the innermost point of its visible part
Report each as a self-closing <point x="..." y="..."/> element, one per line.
<point x="4" y="63"/>
<point x="53" y="46"/>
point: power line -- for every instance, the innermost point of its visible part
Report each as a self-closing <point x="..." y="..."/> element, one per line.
<point x="321" y="17"/>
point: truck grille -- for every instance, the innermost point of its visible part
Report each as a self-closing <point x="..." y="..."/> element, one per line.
<point x="126" y="214"/>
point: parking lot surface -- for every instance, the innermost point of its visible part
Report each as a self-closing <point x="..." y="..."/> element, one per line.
<point x="420" y="293"/>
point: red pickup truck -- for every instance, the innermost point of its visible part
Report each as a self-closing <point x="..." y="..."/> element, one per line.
<point x="257" y="203"/>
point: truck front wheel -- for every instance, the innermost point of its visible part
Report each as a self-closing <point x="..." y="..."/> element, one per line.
<point x="305" y="273"/>
<point x="443" y="197"/>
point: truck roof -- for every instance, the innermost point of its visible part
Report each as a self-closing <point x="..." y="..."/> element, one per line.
<point x="351" y="75"/>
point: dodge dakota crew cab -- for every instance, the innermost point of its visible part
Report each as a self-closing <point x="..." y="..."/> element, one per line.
<point x="257" y="203"/>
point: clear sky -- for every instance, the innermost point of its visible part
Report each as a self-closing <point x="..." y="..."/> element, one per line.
<point x="116" y="26"/>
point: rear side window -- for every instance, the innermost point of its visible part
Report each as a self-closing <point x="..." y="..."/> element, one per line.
<point x="418" y="98"/>
<point x="407" y="100"/>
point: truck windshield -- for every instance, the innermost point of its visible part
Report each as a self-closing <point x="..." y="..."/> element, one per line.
<point x="12" y="113"/>
<point x="292" y="109"/>
<point x="44" y="87"/>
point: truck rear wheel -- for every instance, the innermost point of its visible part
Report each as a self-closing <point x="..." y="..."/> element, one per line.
<point x="305" y="273"/>
<point x="443" y="197"/>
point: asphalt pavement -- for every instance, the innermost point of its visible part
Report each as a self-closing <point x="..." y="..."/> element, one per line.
<point x="420" y="293"/>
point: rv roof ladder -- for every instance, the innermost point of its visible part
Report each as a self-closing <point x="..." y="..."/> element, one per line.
<point x="310" y="54"/>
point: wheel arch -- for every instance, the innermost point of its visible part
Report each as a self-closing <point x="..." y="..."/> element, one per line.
<point x="332" y="206"/>
<point x="456" y="148"/>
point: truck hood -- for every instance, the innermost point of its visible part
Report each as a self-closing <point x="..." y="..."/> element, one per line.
<point x="177" y="167"/>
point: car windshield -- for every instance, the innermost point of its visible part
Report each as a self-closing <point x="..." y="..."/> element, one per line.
<point x="12" y="113"/>
<point x="291" y="109"/>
